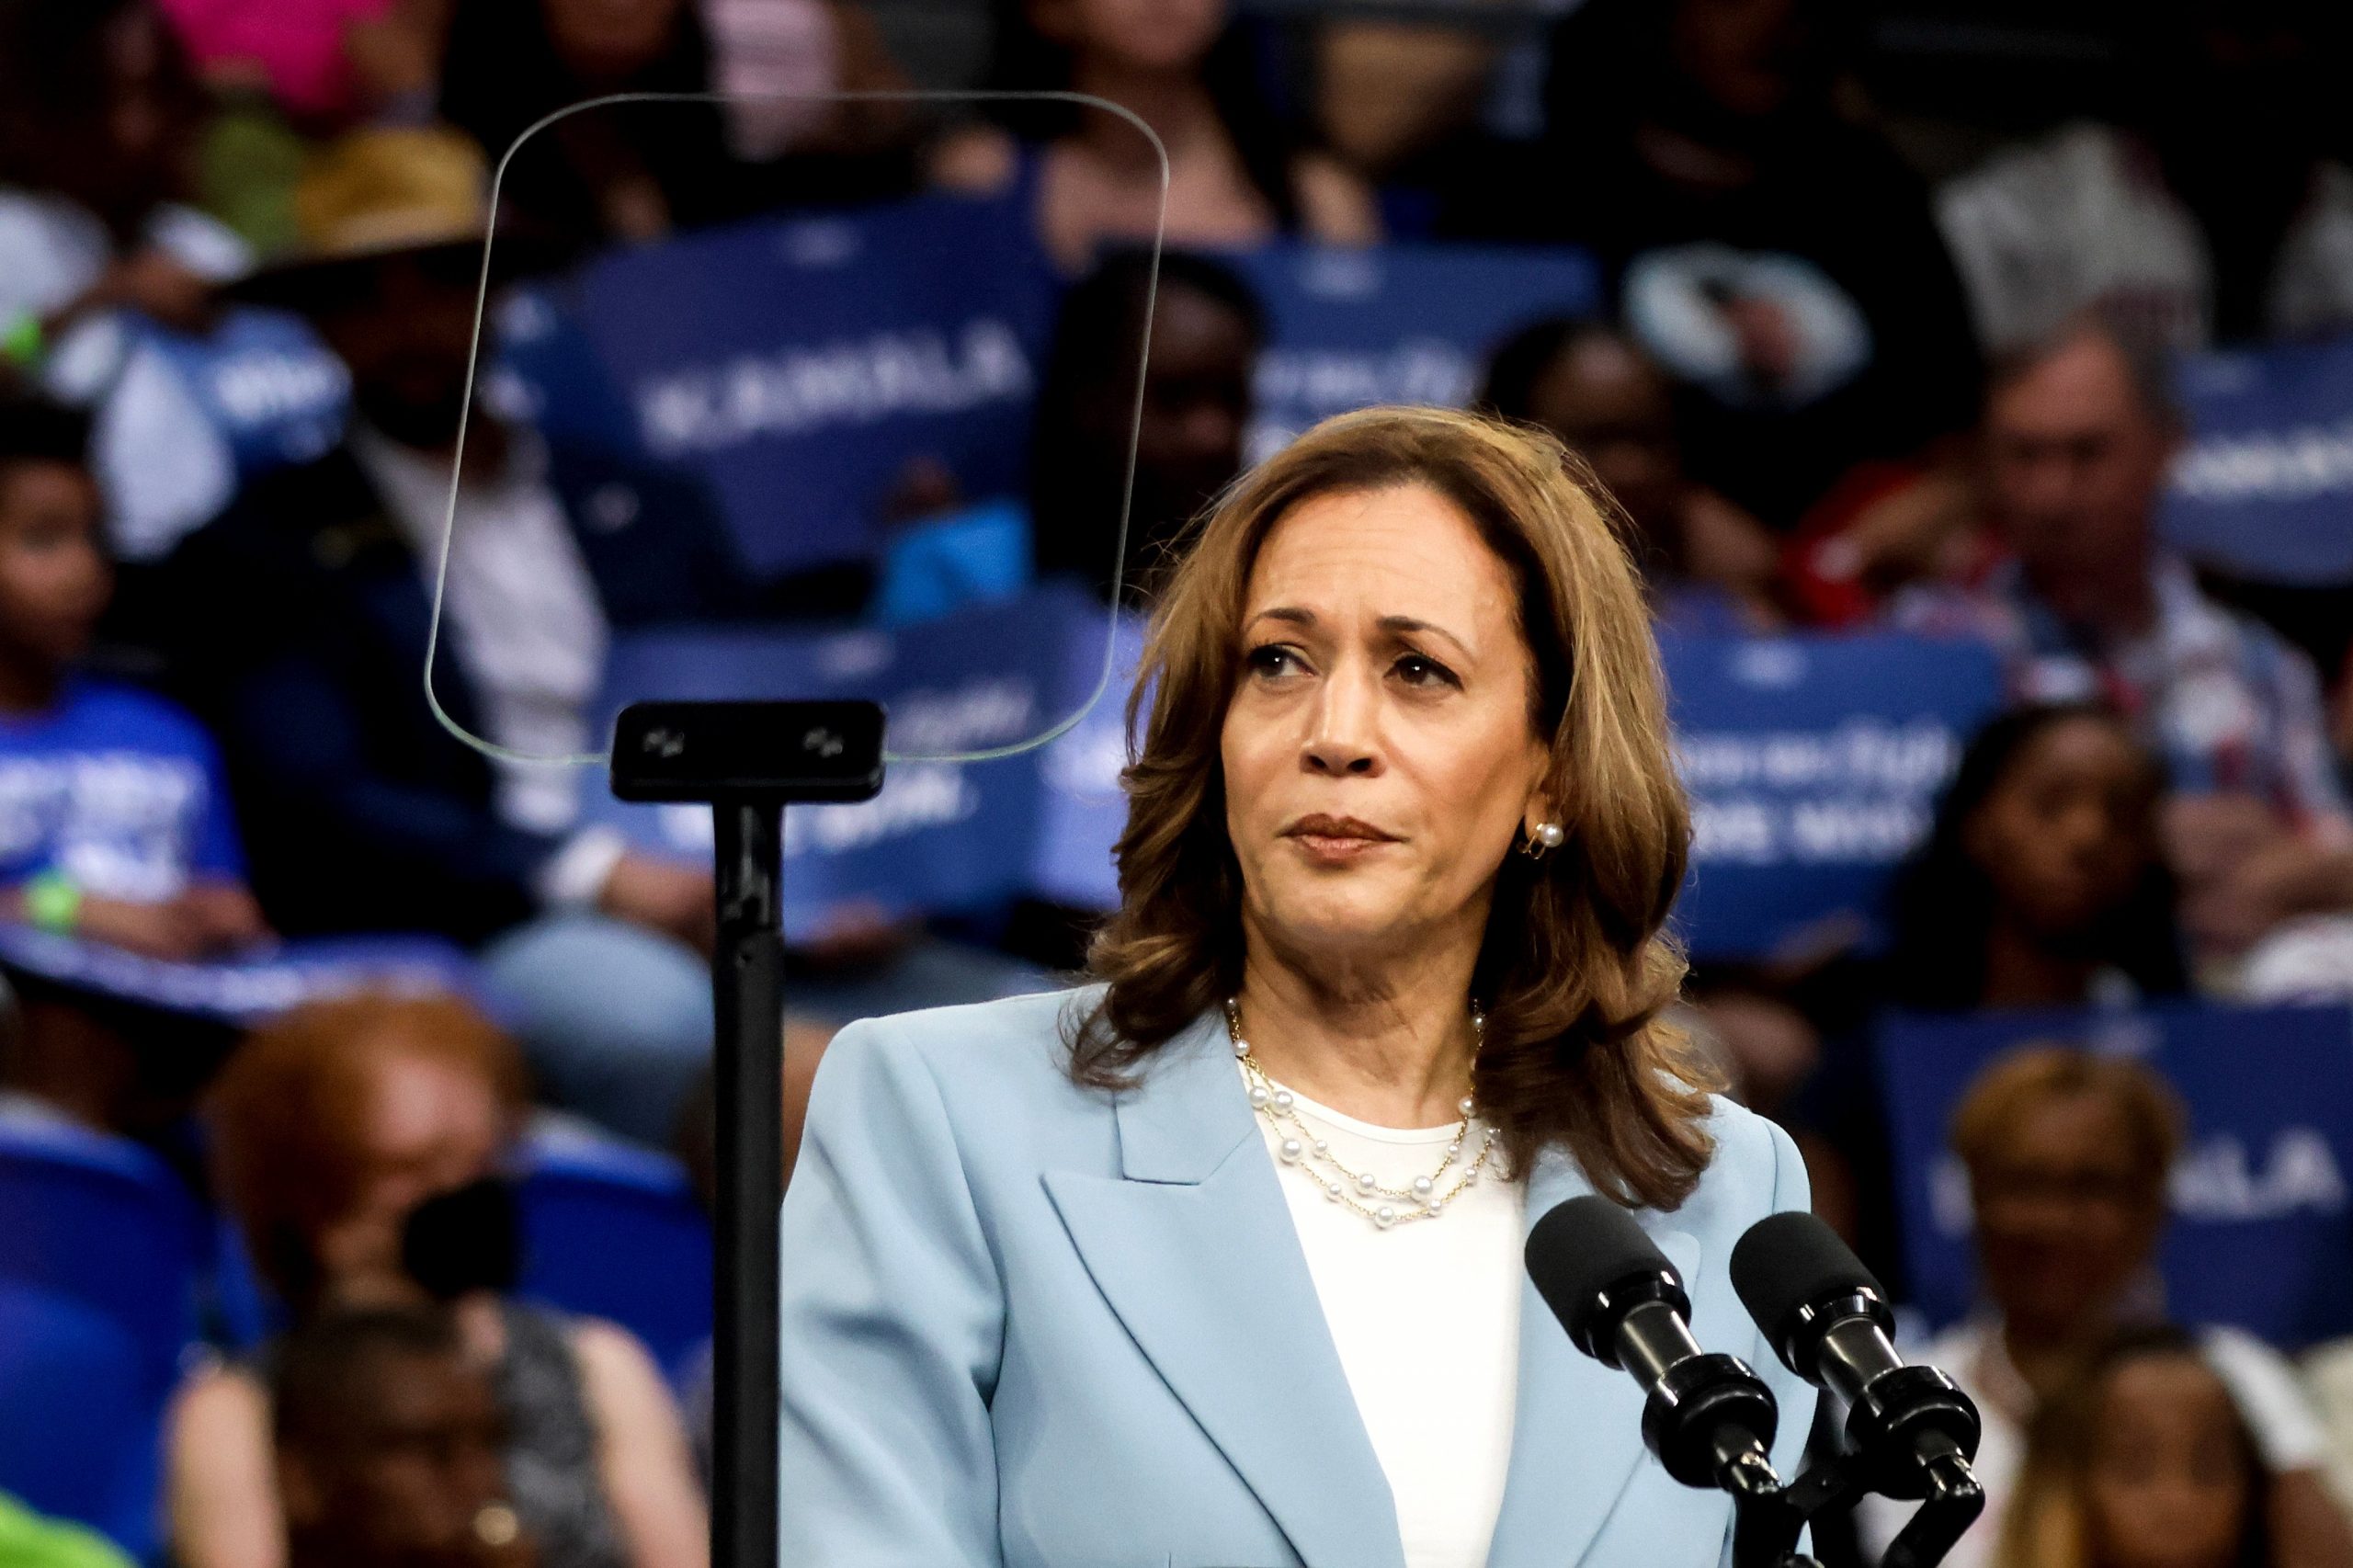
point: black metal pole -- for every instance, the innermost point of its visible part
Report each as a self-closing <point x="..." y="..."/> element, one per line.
<point x="748" y="990"/>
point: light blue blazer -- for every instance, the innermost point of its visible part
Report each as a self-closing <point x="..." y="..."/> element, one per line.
<point x="1031" y="1325"/>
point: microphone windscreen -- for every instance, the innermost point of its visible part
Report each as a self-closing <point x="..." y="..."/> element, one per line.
<point x="1793" y="1260"/>
<point x="1579" y="1250"/>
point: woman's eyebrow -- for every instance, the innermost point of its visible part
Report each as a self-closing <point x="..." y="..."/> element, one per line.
<point x="1290" y="613"/>
<point x="1406" y="623"/>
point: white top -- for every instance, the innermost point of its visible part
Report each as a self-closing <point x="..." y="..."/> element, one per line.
<point x="165" y="468"/>
<point x="526" y="625"/>
<point x="2261" y="1381"/>
<point x="2085" y="215"/>
<point x="1426" y="1317"/>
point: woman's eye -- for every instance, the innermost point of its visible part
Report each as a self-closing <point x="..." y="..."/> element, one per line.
<point x="1272" y="659"/>
<point x="1419" y="669"/>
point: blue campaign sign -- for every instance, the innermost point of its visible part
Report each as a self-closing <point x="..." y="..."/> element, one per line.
<point x="2259" y="1236"/>
<point x="1401" y="323"/>
<point x="264" y="381"/>
<point x="808" y="366"/>
<point x="244" y="989"/>
<point x="2264" y="488"/>
<point x="1813" y="765"/>
<point x="942" y="837"/>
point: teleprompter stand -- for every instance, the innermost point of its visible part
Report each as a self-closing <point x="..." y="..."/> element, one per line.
<point x="747" y="761"/>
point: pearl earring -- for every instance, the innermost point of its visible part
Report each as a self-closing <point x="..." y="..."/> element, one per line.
<point x="1546" y="835"/>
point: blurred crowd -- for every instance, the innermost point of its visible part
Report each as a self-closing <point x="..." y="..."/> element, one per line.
<point x="1862" y="364"/>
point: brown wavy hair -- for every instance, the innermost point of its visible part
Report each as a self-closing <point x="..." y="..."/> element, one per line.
<point x="1576" y="968"/>
<point x="288" y="1114"/>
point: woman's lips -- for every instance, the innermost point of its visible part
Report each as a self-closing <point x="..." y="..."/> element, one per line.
<point x="1336" y="840"/>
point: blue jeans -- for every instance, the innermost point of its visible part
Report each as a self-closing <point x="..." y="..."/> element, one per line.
<point x="614" y="1018"/>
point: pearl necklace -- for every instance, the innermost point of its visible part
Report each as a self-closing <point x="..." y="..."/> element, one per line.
<point x="1297" y="1146"/>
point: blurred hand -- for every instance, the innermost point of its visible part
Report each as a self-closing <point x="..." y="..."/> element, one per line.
<point x="854" y="935"/>
<point x="2283" y="878"/>
<point x="173" y="929"/>
<point x="230" y="915"/>
<point x="2207" y="838"/>
<point x="662" y="896"/>
<point x="157" y="285"/>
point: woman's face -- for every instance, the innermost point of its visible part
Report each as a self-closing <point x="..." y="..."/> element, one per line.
<point x="608" y="40"/>
<point x="2066" y="834"/>
<point x="1137" y="35"/>
<point x="2065" y="1221"/>
<point x="432" y="1127"/>
<point x="2167" y="1482"/>
<point x="1378" y="750"/>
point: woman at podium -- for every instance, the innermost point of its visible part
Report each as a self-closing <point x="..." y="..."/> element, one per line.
<point x="1217" y="1260"/>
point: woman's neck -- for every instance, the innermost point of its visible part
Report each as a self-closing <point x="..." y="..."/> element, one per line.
<point x="1174" y="103"/>
<point x="1396" y="1053"/>
<point x="2023" y="973"/>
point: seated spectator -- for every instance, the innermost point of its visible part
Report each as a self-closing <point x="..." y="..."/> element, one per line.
<point x="1236" y="175"/>
<point x="389" y="1444"/>
<point x="117" y="826"/>
<point x="2141" y="1459"/>
<point x="2214" y="208"/>
<point x="327" y="64"/>
<point x="1207" y="331"/>
<point x="1187" y="440"/>
<point x="96" y="115"/>
<point x="1775" y="256"/>
<point x="353" y="1142"/>
<point x="637" y="170"/>
<point x="303" y="626"/>
<point x="1709" y="565"/>
<point x="2067" y="1155"/>
<point x="2077" y="435"/>
<point x="2041" y="884"/>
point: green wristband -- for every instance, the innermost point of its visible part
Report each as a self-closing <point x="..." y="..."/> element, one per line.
<point x="53" y="902"/>
<point x="21" y="340"/>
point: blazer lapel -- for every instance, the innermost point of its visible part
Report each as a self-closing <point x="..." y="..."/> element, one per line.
<point x="1577" y="1437"/>
<point x="1194" y="1249"/>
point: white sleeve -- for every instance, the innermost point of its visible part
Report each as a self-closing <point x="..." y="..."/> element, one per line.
<point x="2278" y="1412"/>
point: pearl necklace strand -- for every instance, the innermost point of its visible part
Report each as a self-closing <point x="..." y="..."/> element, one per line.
<point x="1298" y="1146"/>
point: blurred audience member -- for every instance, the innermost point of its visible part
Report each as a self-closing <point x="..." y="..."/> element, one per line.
<point x="2067" y="1155"/>
<point x="2041" y="884"/>
<point x="2077" y="435"/>
<point x="1236" y="174"/>
<point x="357" y="1144"/>
<point x="1709" y="565"/>
<point x="388" y="1447"/>
<point x="1774" y="255"/>
<point x="326" y="64"/>
<point x="2222" y="208"/>
<point x="304" y="615"/>
<point x="2141" y="1459"/>
<point x="1207" y="331"/>
<point x="119" y="828"/>
<point x="1396" y="95"/>
<point x="98" y="122"/>
<point x="637" y="170"/>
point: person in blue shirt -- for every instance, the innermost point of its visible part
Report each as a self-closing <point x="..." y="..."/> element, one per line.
<point x="115" y="823"/>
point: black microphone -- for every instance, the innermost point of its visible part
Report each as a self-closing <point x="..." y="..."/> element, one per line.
<point x="1829" y="1321"/>
<point x="1709" y="1419"/>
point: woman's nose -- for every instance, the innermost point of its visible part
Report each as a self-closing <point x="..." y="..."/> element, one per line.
<point x="1344" y="739"/>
